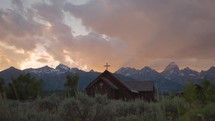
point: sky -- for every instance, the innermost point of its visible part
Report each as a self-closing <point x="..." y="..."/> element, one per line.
<point x="125" y="33"/>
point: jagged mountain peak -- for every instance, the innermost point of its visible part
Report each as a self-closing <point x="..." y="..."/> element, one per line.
<point x="76" y="70"/>
<point x="172" y="72"/>
<point x="187" y="72"/>
<point x="12" y="68"/>
<point x="126" y="71"/>
<point x="46" y="66"/>
<point x="62" y="67"/>
<point x="171" y="66"/>
<point x="173" y="63"/>
<point x="44" y="69"/>
<point x="187" y="68"/>
<point x="146" y="68"/>
<point x="9" y="73"/>
<point x="91" y="70"/>
<point x="212" y="68"/>
<point x="170" y="80"/>
<point x="127" y="68"/>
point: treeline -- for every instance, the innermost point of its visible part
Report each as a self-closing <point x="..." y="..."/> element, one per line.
<point x="202" y="94"/>
<point x="27" y="87"/>
<point x="24" y="87"/>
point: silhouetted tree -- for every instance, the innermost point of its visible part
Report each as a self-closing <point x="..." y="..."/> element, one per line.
<point x="24" y="87"/>
<point x="190" y="92"/>
<point x="208" y="90"/>
<point x="71" y="84"/>
<point x="204" y="93"/>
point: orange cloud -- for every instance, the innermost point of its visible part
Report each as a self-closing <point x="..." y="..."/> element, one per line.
<point x="123" y="33"/>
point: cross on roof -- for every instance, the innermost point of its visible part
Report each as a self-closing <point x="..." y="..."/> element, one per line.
<point x="106" y="66"/>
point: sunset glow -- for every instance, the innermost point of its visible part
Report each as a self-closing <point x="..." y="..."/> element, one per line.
<point x="125" y="33"/>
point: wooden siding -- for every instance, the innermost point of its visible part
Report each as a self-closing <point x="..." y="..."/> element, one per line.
<point x="107" y="84"/>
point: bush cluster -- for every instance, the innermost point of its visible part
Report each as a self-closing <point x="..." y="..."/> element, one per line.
<point x="84" y="108"/>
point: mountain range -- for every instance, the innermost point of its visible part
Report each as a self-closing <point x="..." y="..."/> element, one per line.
<point x="171" y="79"/>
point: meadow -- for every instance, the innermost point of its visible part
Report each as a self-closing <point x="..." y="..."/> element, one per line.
<point x="85" y="108"/>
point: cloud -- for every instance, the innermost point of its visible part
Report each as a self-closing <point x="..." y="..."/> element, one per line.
<point x="18" y="4"/>
<point x="123" y="33"/>
<point x="92" y="49"/>
<point x="11" y="56"/>
<point x="16" y="30"/>
<point x="49" y="12"/>
<point x="154" y="29"/>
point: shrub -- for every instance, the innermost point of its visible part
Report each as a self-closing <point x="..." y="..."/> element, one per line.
<point x="123" y="108"/>
<point x="104" y="109"/>
<point x="24" y="111"/>
<point x="130" y="118"/>
<point x="99" y="108"/>
<point x="174" y="108"/>
<point x="4" y="112"/>
<point x="208" y="112"/>
<point x="50" y="103"/>
<point x="76" y="109"/>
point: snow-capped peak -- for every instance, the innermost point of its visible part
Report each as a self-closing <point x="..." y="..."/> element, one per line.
<point x="147" y="69"/>
<point x="126" y="71"/>
<point x="211" y="69"/>
<point x="45" y="69"/>
<point x="172" y="66"/>
<point x="62" y="67"/>
<point x="189" y="72"/>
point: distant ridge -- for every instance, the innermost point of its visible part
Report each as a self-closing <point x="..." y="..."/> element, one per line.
<point x="171" y="79"/>
<point x="9" y="73"/>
